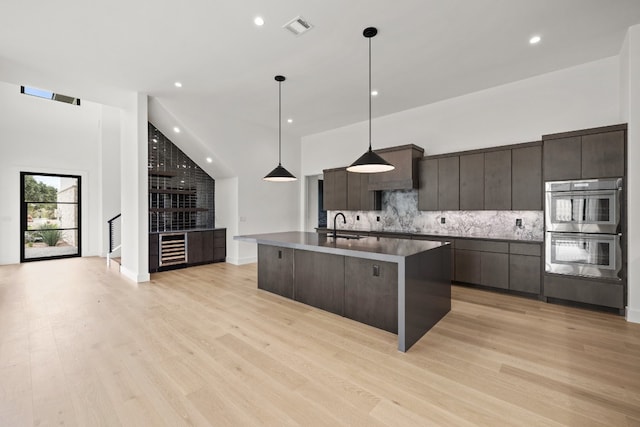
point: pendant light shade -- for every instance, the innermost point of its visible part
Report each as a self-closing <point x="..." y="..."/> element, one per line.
<point x="370" y="162"/>
<point x="279" y="173"/>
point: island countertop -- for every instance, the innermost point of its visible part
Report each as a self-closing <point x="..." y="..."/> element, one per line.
<point x="378" y="248"/>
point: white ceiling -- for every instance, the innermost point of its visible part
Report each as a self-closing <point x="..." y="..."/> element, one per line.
<point x="426" y="50"/>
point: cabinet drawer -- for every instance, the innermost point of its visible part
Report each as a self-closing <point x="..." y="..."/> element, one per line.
<point x="524" y="273"/>
<point x="482" y="245"/>
<point x="583" y="290"/>
<point x="533" y="249"/>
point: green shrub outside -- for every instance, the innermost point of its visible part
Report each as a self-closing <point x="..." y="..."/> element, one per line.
<point x="50" y="234"/>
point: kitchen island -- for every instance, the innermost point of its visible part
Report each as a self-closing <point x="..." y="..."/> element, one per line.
<point x="402" y="286"/>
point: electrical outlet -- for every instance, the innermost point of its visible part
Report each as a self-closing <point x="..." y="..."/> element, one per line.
<point x="378" y="218"/>
<point x="519" y="222"/>
<point x="357" y="217"/>
<point x="443" y="220"/>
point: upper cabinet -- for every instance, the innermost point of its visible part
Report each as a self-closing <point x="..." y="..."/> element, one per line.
<point x="439" y="184"/>
<point x="502" y="178"/>
<point x="589" y="153"/>
<point x="344" y="190"/>
<point x="405" y="175"/>
<point x="526" y="178"/>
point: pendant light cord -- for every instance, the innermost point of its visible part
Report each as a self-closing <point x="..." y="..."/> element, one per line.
<point x="369" y="93"/>
<point x="279" y="123"/>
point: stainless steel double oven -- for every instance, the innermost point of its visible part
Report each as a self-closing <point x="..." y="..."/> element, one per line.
<point x="583" y="228"/>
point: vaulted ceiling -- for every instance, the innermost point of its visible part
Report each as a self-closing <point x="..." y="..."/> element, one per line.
<point x="426" y="50"/>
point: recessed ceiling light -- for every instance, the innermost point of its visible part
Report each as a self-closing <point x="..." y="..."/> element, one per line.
<point x="209" y="160"/>
<point x="289" y="120"/>
<point x="258" y="21"/>
<point x="176" y="129"/>
<point x="374" y="93"/>
<point x="177" y="84"/>
<point x="155" y="139"/>
<point x="535" y="40"/>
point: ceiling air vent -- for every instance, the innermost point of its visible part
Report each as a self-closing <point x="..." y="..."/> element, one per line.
<point x="298" y="26"/>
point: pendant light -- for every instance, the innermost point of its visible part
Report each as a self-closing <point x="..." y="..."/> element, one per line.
<point x="370" y="162"/>
<point x="279" y="174"/>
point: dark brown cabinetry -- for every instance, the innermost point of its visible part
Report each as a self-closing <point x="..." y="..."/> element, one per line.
<point x="439" y="181"/>
<point x="371" y="293"/>
<point x="275" y="270"/>
<point x="154" y="252"/>
<point x="580" y="289"/>
<point x="526" y="179"/>
<point x="497" y="180"/>
<point x="335" y="189"/>
<point x="202" y="247"/>
<point x="589" y="153"/>
<point x="449" y="183"/>
<point x="525" y="267"/>
<point x="319" y="280"/>
<point x="428" y="185"/>
<point x="503" y="265"/>
<point x="220" y="245"/>
<point x="490" y="179"/>
<point x="344" y="190"/>
<point x="472" y="183"/>
<point x="405" y="175"/>
<point x="199" y="247"/>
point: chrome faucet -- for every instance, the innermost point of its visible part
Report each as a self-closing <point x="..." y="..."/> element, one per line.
<point x="334" y="223"/>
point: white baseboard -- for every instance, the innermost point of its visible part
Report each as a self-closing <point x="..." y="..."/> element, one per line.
<point x="241" y="261"/>
<point x="633" y="315"/>
<point x="138" y="278"/>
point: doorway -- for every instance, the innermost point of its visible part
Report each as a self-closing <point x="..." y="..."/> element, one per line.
<point x="49" y="216"/>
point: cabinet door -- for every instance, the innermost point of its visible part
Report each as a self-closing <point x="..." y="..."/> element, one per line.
<point x="154" y="252"/>
<point x="371" y="293"/>
<point x="319" y="280"/>
<point x="354" y="199"/>
<point x="562" y="158"/>
<point x="467" y="266"/>
<point x="449" y="183"/>
<point x="494" y="270"/>
<point x="195" y="253"/>
<point x="275" y="270"/>
<point x="328" y="199"/>
<point x="207" y="246"/>
<point x="472" y="182"/>
<point x="526" y="179"/>
<point x="428" y="187"/>
<point x="340" y="189"/>
<point x="219" y="245"/>
<point x="497" y="180"/>
<point x="524" y="273"/>
<point x="603" y="155"/>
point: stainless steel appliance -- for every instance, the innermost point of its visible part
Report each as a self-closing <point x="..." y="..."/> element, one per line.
<point x="583" y="226"/>
<point x="586" y="206"/>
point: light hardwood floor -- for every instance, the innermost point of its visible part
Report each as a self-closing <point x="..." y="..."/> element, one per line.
<point x="80" y="345"/>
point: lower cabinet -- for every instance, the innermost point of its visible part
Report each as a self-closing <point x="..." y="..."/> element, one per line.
<point x="597" y="292"/>
<point x="502" y="265"/>
<point x="154" y="252"/>
<point x="319" y="280"/>
<point x="371" y="293"/>
<point x="202" y="247"/>
<point x="220" y="245"/>
<point x="275" y="270"/>
<point x="359" y="289"/>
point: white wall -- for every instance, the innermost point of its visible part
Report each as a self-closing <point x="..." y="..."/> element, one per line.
<point x="574" y="98"/>
<point x="630" y="107"/>
<point x="109" y="169"/>
<point x="39" y="135"/>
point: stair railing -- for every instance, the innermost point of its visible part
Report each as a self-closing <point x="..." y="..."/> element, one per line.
<point x="115" y="236"/>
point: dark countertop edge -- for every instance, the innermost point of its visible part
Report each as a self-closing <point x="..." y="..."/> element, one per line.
<point x="433" y="236"/>
<point x="356" y="253"/>
<point x="187" y="231"/>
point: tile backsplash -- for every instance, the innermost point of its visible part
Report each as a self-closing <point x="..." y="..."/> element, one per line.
<point x="400" y="213"/>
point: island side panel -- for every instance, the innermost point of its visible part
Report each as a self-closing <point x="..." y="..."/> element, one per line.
<point x="427" y="294"/>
